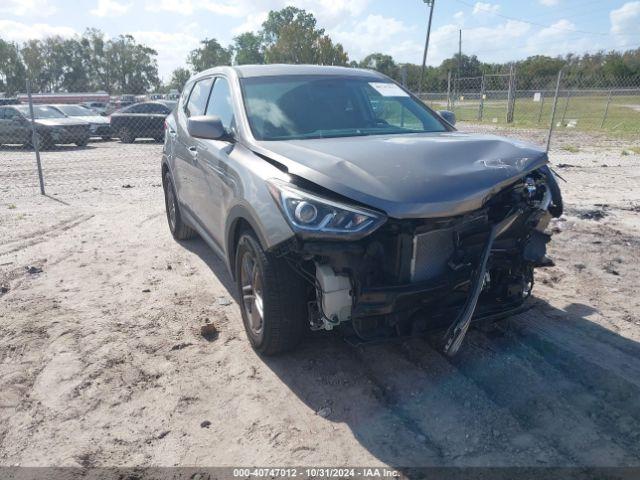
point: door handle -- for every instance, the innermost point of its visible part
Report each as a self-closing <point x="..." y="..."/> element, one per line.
<point x="194" y="152"/>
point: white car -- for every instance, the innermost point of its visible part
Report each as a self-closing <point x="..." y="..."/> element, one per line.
<point x="99" y="107"/>
<point x="99" y="126"/>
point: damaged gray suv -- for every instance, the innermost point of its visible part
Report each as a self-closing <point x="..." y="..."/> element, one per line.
<point x="338" y="199"/>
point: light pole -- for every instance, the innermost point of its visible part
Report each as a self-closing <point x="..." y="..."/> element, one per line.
<point x="426" y="44"/>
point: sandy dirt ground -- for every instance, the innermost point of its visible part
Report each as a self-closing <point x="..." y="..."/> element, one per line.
<point x="102" y="361"/>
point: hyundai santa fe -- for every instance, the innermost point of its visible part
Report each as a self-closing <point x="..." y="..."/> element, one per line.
<point x="338" y="199"/>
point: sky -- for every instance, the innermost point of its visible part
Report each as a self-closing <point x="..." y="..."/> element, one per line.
<point x="495" y="31"/>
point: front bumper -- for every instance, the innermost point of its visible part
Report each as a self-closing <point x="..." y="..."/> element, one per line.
<point x="100" y="130"/>
<point x="69" y="135"/>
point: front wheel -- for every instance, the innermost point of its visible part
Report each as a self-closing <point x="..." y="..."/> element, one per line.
<point x="42" y="140"/>
<point x="83" y="142"/>
<point x="126" y="136"/>
<point x="272" y="298"/>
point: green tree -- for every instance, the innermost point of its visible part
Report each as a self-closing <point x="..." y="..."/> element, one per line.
<point x="329" y="53"/>
<point x="210" y="54"/>
<point x="178" y="78"/>
<point x="470" y="66"/>
<point x="12" y="70"/>
<point x="382" y="63"/>
<point x="290" y="35"/>
<point x="133" y="67"/>
<point x="248" y="49"/>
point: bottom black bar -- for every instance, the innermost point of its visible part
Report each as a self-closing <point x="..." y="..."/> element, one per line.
<point x="224" y="473"/>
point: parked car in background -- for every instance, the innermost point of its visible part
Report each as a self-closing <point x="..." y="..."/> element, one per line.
<point x="52" y="126"/>
<point x="99" y="107"/>
<point x="336" y="197"/>
<point x="99" y="126"/>
<point x="141" y="120"/>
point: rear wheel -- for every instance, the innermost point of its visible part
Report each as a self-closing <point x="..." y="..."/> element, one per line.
<point x="83" y="142"/>
<point x="273" y="298"/>
<point x="106" y="137"/>
<point x="179" y="229"/>
<point x="126" y="136"/>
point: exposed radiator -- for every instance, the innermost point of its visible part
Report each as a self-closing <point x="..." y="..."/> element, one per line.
<point x="431" y="253"/>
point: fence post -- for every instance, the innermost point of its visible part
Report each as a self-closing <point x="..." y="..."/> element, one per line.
<point x="553" y="110"/>
<point x="606" y="110"/>
<point x="449" y="90"/>
<point x="481" y="105"/>
<point x="510" y="101"/>
<point x="541" y="105"/>
<point x="35" y="141"/>
<point x="566" y="106"/>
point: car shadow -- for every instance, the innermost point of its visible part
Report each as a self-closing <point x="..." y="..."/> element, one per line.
<point x="56" y="148"/>
<point x="549" y="375"/>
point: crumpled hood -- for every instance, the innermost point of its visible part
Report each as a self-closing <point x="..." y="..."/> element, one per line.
<point x="54" y="122"/>
<point x="410" y="176"/>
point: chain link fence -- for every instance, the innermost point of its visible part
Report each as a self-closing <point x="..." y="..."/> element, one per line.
<point x="594" y="104"/>
<point x="53" y="142"/>
<point x="41" y="143"/>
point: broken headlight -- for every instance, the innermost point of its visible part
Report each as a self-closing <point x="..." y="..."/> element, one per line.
<point x="312" y="215"/>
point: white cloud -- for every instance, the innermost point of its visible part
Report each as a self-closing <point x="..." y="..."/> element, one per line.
<point x="558" y="29"/>
<point x="231" y="9"/>
<point x="335" y="8"/>
<point x="329" y="13"/>
<point x="253" y="22"/>
<point x="459" y="17"/>
<point x="373" y="34"/>
<point x="183" y="7"/>
<point x="110" y="8"/>
<point x="172" y="48"/>
<point x="21" y="32"/>
<point x="482" y="7"/>
<point x="549" y="3"/>
<point x="444" y="40"/>
<point x="624" y="22"/>
<point x="21" y="8"/>
<point x="557" y="39"/>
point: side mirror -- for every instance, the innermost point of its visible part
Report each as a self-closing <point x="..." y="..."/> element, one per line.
<point x="207" y="127"/>
<point x="448" y="115"/>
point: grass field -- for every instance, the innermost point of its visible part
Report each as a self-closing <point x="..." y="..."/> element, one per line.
<point x="583" y="113"/>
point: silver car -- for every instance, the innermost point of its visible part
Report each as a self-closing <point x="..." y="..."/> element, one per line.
<point x="338" y="200"/>
<point x="99" y="126"/>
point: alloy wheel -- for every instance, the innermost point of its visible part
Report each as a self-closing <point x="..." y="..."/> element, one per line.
<point x="171" y="206"/>
<point x="252" y="293"/>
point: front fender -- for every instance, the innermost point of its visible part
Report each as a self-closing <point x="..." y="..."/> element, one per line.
<point x="268" y="236"/>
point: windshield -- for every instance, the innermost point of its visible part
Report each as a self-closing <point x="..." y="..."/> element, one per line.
<point x="295" y="106"/>
<point x="75" y="111"/>
<point x="40" y="111"/>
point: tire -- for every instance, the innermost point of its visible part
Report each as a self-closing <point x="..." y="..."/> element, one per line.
<point x="159" y="139"/>
<point x="126" y="136"/>
<point x="44" y="141"/>
<point x="106" y="137"/>
<point x="177" y="227"/>
<point x="83" y="142"/>
<point x="272" y="298"/>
